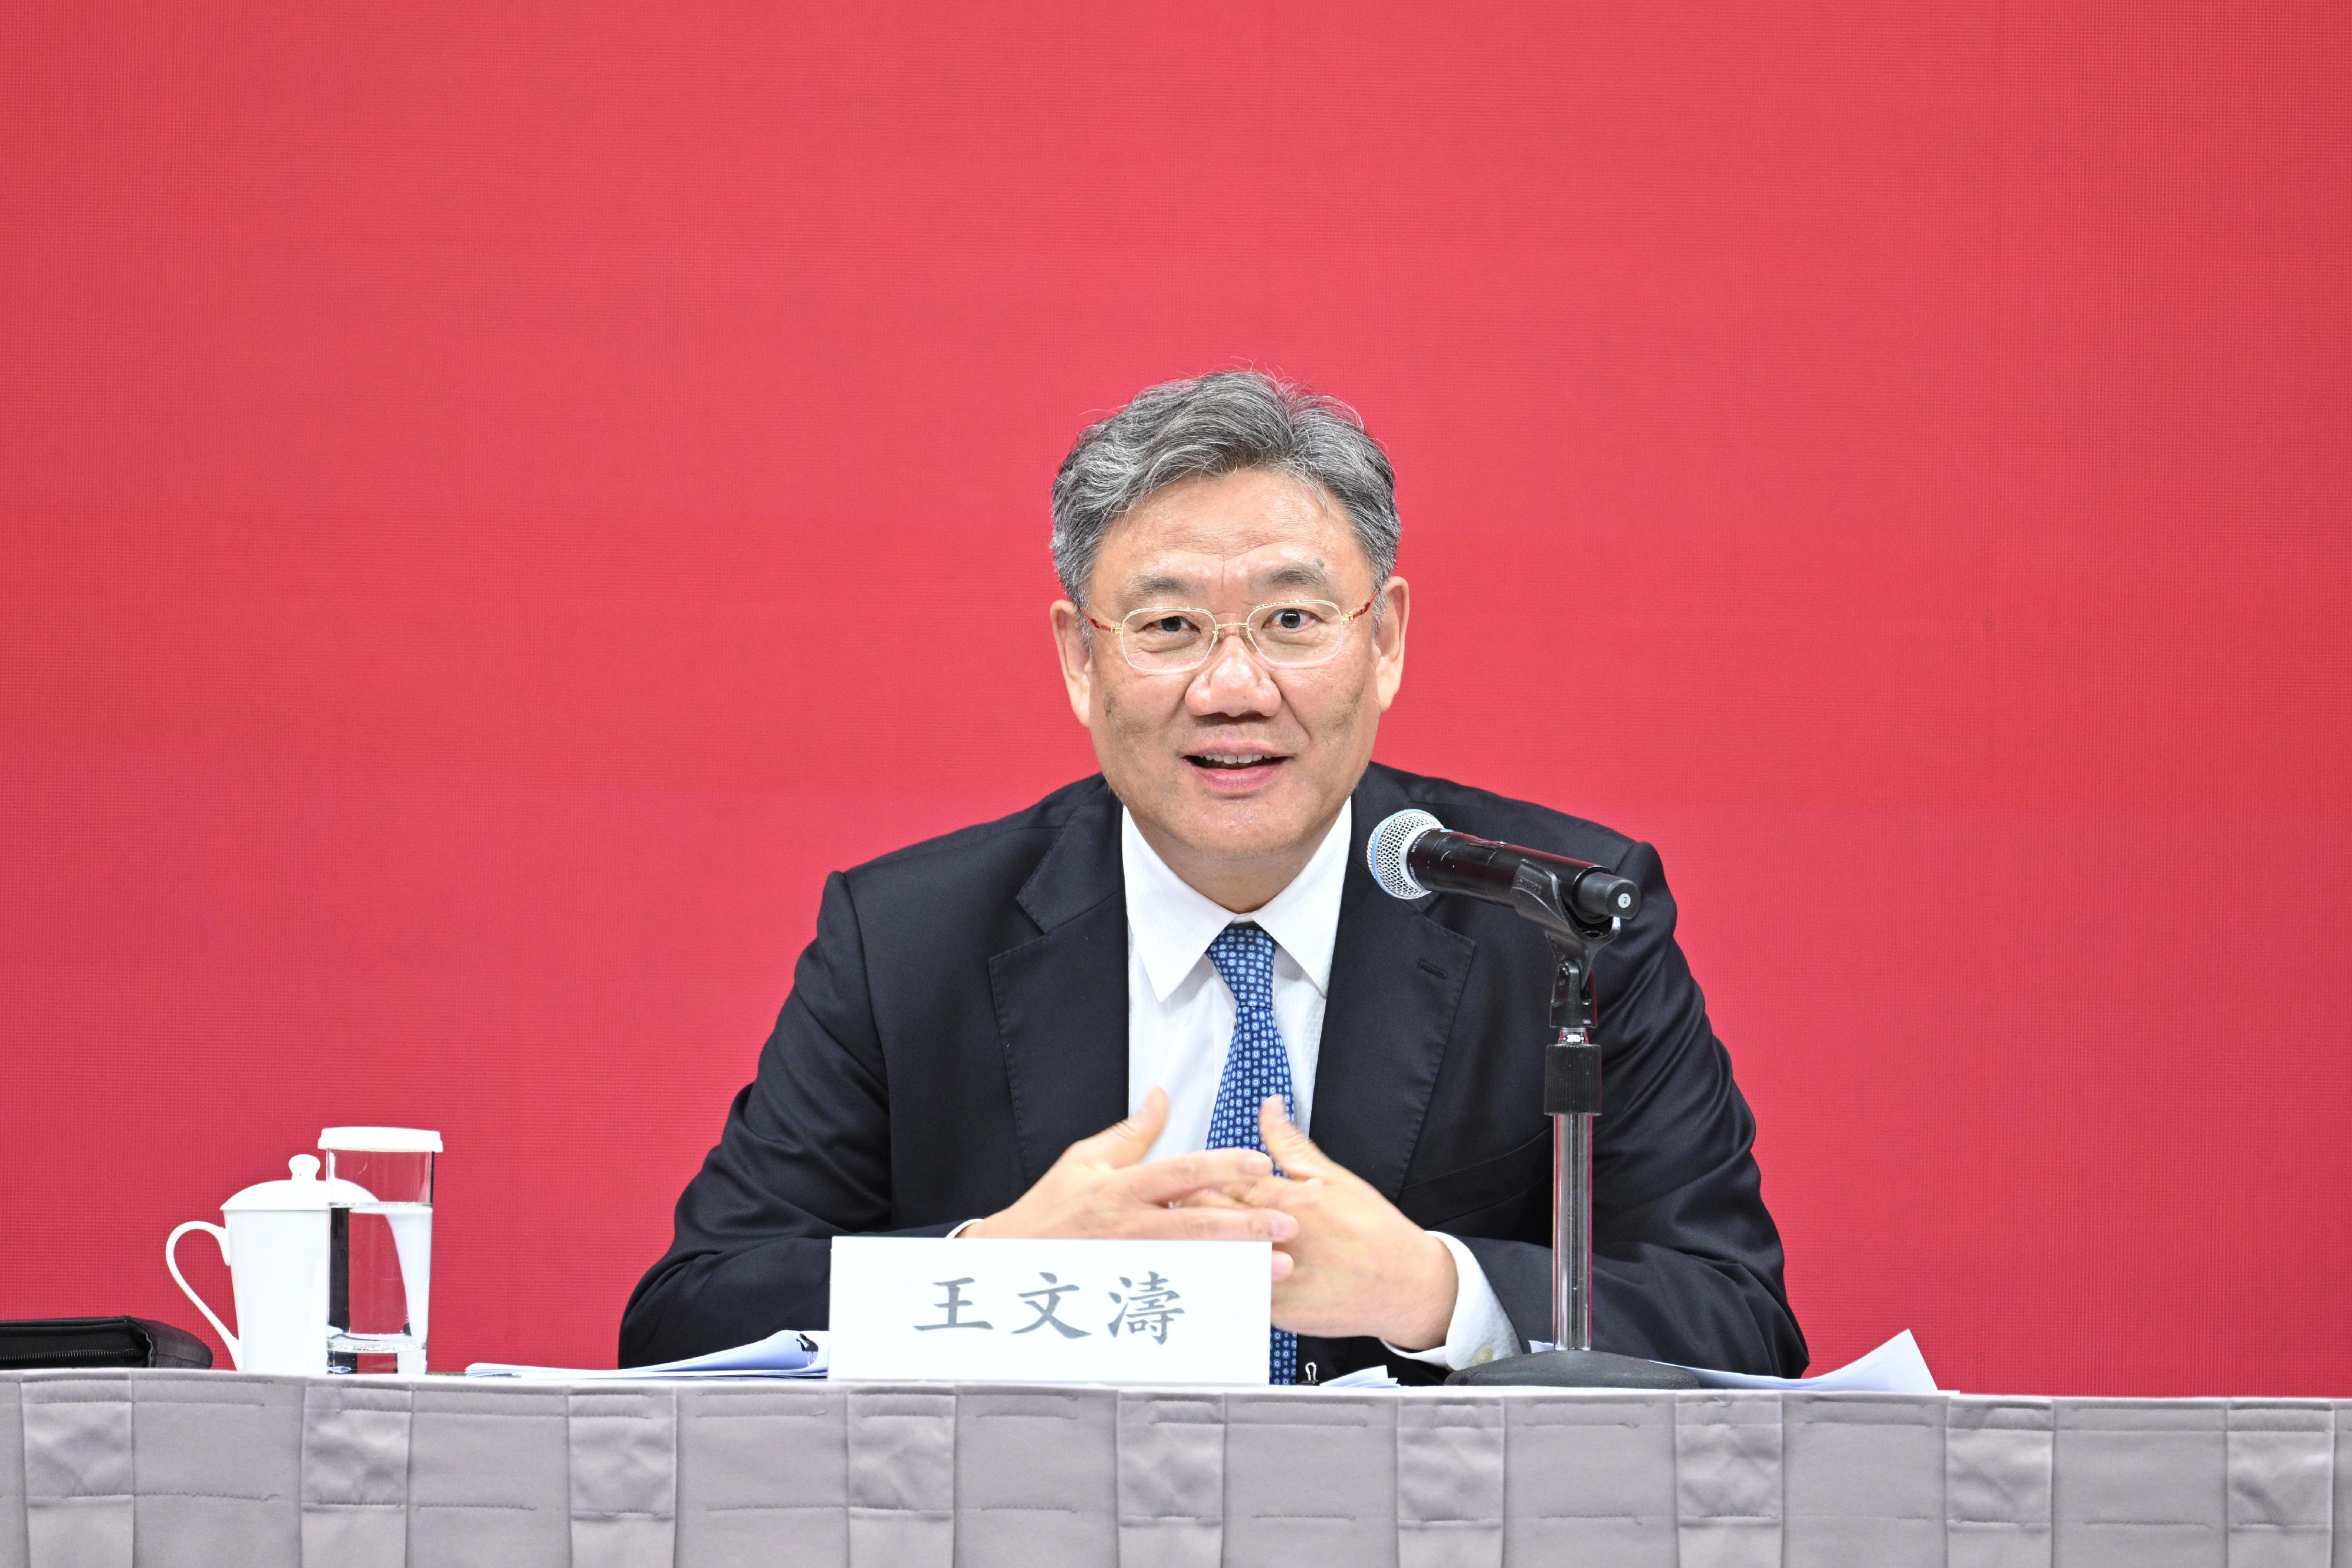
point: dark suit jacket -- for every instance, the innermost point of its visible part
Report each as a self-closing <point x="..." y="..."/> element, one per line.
<point x="961" y="1020"/>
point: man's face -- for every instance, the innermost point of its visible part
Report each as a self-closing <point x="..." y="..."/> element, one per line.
<point x="1239" y="766"/>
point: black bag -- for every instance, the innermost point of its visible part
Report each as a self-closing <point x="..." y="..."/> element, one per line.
<point x="97" y="1342"/>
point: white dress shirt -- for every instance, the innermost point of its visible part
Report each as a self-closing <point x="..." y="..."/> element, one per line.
<point x="1180" y="1026"/>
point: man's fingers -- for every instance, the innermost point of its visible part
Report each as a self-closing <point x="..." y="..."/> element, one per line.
<point x="1271" y="1191"/>
<point x="1214" y="1197"/>
<point x="1190" y="1224"/>
<point x="1240" y="1191"/>
<point x="1288" y="1146"/>
<point x="1166" y="1181"/>
<point x="1124" y="1143"/>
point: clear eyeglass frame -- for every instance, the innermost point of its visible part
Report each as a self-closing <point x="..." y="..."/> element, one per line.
<point x="1131" y="626"/>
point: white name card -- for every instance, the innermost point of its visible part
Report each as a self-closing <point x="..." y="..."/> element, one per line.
<point x="1050" y="1311"/>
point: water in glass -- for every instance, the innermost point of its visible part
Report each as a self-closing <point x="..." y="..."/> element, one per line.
<point x="380" y="1268"/>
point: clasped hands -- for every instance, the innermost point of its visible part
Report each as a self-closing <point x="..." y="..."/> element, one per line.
<point x="1345" y="1260"/>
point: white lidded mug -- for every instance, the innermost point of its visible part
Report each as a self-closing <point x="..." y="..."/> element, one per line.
<point x="276" y="1249"/>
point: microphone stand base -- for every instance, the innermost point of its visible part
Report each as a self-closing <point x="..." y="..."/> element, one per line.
<point x="1574" y="1369"/>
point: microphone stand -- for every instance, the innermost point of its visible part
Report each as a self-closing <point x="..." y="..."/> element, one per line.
<point x="1572" y="1099"/>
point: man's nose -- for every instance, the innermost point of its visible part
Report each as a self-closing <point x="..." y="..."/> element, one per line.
<point x="1233" y="681"/>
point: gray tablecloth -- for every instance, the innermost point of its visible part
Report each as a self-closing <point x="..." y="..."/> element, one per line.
<point x="111" y="1470"/>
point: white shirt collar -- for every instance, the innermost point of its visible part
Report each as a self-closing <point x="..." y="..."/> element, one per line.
<point x="1172" y="923"/>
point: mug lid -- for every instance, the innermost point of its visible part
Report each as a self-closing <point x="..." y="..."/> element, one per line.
<point x="380" y="1140"/>
<point x="301" y="1190"/>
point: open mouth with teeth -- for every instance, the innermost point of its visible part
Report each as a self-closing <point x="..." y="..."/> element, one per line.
<point x="1235" y="769"/>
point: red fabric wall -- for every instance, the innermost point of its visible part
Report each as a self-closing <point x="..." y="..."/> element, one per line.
<point x="494" y="501"/>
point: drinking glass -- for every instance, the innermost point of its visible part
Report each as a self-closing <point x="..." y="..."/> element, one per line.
<point x="380" y="1248"/>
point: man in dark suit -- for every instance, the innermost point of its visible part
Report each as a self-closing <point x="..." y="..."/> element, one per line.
<point x="1101" y="1016"/>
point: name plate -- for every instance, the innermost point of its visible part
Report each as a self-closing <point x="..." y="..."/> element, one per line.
<point x="1050" y="1311"/>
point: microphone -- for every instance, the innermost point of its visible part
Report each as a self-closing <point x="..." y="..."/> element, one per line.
<point x="1412" y="853"/>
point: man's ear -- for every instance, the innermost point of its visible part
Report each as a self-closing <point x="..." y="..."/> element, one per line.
<point x="1072" y="641"/>
<point x="1387" y="640"/>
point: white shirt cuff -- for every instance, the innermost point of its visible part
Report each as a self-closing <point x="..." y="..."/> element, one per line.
<point x="959" y="1229"/>
<point x="1479" y="1331"/>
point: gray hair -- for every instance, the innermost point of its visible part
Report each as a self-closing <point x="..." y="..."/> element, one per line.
<point x="1219" y="424"/>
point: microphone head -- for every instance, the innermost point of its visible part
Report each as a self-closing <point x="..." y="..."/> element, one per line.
<point x="1391" y="842"/>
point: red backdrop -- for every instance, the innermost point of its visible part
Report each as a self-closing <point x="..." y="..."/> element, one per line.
<point x="484" y="487"/>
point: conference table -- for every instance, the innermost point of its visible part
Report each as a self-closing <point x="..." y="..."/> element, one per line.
<point x="109" y="1470"/>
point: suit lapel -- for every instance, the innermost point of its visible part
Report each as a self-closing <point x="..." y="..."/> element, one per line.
<point x="1397" y="979"/>
<point x="1061" y="998"/>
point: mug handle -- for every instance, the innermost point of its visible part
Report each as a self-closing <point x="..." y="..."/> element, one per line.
<point x="236" y="1353"/>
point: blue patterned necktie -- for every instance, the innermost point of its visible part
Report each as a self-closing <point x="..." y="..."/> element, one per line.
<point x="1255" y="1067"/>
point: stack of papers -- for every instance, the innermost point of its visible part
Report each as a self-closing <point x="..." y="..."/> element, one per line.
<point x="1362" y="1378"/>
<point x="786" y="1353"/>
<point x="1894" y="1368"/>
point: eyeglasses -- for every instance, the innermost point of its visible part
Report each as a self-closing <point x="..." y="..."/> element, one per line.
<point x="1165" y="641"/>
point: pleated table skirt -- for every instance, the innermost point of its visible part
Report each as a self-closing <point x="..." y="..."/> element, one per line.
<point x="113" y="1469"/>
